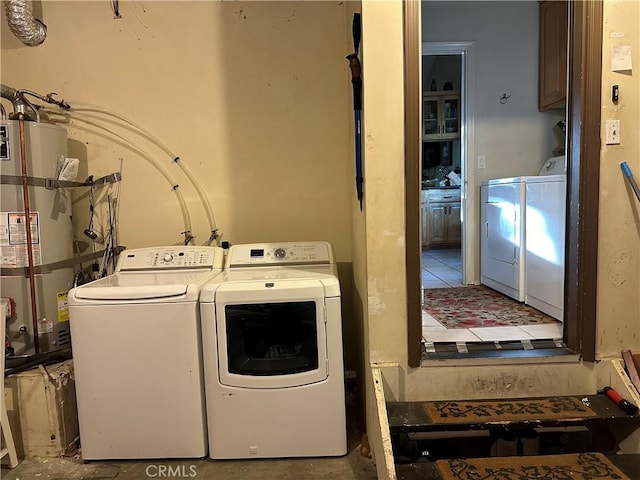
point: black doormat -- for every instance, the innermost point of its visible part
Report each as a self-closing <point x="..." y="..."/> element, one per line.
<point x="509" y="410"/>
<point x="580" y="466"/>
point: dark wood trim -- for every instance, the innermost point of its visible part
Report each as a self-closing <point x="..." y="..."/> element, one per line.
<point x="412" y="139"/>
<point x="583" y="176"/>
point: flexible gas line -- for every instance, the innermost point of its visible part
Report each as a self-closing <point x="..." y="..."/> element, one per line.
<point x="165" y="173"/>
<point x="174" y="158"/>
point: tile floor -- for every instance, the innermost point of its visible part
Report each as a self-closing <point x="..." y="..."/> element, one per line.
<point x="442" y="268"/>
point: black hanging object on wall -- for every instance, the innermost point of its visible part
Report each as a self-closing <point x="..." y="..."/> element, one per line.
<point x="115" y="7"/>
<point x="89" y="230"/>
<point x="356" y="82"/>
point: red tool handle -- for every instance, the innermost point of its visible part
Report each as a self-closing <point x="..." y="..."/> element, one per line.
<point x="612" y="394"/>
<point x="615" y="397"/>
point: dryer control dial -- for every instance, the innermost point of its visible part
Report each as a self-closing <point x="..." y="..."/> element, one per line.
<point x="280" y="253"/>
<point x="167" y="258"/>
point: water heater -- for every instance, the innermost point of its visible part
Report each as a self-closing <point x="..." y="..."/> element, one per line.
<point x="45" y="147"/>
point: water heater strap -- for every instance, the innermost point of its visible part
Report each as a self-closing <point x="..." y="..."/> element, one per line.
<point x="51" y="183"/>
<point x="50" y="267"/>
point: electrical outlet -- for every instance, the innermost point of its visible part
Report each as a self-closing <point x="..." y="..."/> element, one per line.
<point x="482" y="163"/>
<point x="613" y="132"/>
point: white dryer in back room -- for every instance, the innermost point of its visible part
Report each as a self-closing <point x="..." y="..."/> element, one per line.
<point x="272" y="345"/>
<point x="522" y="222"/>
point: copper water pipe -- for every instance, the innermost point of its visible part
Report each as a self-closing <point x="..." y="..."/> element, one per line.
<point x="27" y="214"/>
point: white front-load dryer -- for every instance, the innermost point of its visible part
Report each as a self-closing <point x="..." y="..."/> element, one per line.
<point x="138" y="358"/>
<point x="502" y="235"/>
<point x="272" y="344"/>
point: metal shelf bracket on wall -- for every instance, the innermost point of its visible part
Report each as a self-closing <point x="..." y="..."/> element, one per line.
<point x="52" y="183"/>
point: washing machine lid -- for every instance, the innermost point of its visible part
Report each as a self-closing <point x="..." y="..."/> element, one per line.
<point x="125" y="286"/>
<point x="547" y="179"/>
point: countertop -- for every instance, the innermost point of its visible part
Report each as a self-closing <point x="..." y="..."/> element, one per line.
<point x="441" y="188"/>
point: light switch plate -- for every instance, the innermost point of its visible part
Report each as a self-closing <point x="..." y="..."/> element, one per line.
<point x="482" y="163"/>
<point x="613" y="132"/>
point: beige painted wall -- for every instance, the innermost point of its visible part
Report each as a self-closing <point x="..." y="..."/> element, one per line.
<point x="383" y="147"/>
<point x="359" y="244"/>
<point x="253" y="96"/>
<point x="619" y="233"/>
<point x="382" y="277"/>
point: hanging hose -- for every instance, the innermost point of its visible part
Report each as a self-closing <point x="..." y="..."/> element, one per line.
<point x="27" y="226"/>
<point x="175" y="158"/>
<point x="165" y="173"/>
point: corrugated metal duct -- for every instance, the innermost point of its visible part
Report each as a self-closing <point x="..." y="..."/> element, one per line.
<point x="22" y="24"/>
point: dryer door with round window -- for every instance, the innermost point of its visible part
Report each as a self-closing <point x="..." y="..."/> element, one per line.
<point x="271" y="333"/>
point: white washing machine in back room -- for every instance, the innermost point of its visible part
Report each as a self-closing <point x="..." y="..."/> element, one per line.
<point x="138" y="357"/>
<point x="545" y="214"/>
<point x="272" y="344"/>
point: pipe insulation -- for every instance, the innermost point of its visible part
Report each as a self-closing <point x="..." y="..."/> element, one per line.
<point x="22" y="24"/>
<point x="7" y="92"/>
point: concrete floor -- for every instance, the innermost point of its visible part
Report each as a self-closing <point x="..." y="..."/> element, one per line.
<point x="352" y="466"/>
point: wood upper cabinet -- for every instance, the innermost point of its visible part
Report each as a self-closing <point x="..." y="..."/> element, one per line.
<point x="552" y="64"/>
<point x="441" y="116"/>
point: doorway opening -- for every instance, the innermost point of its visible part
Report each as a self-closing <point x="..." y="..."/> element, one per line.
<point x="446" y="132"/>
<point x="449" y="223"/>
<point x="583" y="166"/>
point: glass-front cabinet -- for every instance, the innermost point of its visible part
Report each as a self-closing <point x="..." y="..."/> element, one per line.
<point x="441" y="116"/>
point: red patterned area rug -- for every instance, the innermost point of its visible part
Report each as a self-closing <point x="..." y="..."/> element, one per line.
<point x="479" y="306"/>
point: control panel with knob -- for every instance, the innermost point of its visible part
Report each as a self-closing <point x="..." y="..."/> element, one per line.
<point x="169" y="257"/>
<point x="287" y="253"/>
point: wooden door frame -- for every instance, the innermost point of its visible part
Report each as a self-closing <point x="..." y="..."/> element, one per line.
<point x="583" y="175"/>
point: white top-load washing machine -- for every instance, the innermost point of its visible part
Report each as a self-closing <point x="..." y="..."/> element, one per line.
<point x="272" y="344"/>
<point x="138" y="357"/>
<point x="519" y="217"/>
